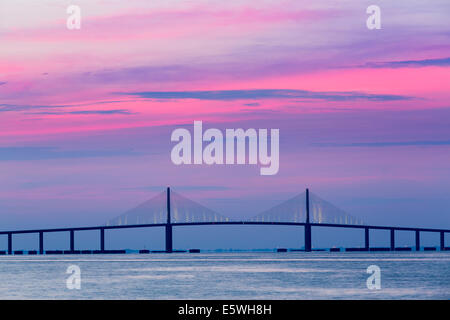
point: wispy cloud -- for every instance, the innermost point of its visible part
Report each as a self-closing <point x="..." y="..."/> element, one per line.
<point x="265" y="94"/>
<point x="31" y="107"/>
<point x="16" y="107"/>
<point x="386" y="144"/>
<point x="45" y="153"/>
<point x="442" y="62"/>
<point x="86" y="112"/>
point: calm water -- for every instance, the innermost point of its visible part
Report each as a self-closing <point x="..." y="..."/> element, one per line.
<point x="228" y="276"/>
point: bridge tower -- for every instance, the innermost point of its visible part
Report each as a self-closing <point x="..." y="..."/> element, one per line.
<point x="169" y="240"/>
<point x="307" y="225"/>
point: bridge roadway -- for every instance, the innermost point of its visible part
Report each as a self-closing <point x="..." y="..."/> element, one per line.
<point x="169" y="226"/>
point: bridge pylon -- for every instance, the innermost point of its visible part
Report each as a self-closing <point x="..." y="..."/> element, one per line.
<point x="169" y="238"/>
<point x="307" y="225"/>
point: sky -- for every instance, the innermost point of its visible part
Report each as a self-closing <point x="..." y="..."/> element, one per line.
<point x="86" y="115"/>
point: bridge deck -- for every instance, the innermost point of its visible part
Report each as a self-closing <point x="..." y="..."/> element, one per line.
<point x="174" y="224"/>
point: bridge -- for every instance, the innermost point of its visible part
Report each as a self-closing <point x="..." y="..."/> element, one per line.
<point x="171" y="210"/>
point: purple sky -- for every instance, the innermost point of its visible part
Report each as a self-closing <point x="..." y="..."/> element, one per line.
<point x="86" y="115"/>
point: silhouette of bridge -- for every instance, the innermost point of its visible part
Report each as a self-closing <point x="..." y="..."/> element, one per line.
<point x="170" y="209"/>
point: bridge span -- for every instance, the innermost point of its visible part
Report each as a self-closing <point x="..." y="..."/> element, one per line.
<point x="169" y="225"/>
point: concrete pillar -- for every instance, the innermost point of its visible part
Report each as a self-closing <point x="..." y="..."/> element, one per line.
<point x="308" y="245"/>
<point x="102" y="239"/>
<point x="308" y="242"/>
<point x="366" y="239"/>
<point x="169" y="236"/>
<point x="417" y="240"/>
<point x="9" y="243"/>
<point x="392" y="239"/>
<point x="72" y="240"/>
<point x="41" y="242"/>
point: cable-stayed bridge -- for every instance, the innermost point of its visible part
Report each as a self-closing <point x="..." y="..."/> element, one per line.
<point x="155" y="211"/>
<point x="186" y="210"/>
<point x="170" y="209"/>
<point x="294" y="210"/>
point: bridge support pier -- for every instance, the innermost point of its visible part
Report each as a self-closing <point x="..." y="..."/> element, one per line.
<point x="308" y="246"/>
<point x="169" y="238"/>
<point x="9" y="243"/>
<point x="366" y="239"/>
<point x="41" y="242"/>
<point x="417" y="240"/>
<point x="442" y="242"/>
<point x="102" y="239"/>
<point x="72" y="240"/>
<point x="392" y="239"/>
<point x="169" y="244"/>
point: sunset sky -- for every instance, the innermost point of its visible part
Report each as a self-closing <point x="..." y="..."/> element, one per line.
<point x="86" y="115"/>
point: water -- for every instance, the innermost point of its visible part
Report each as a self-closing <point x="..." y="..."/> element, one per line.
<point x="228" y="276"/>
